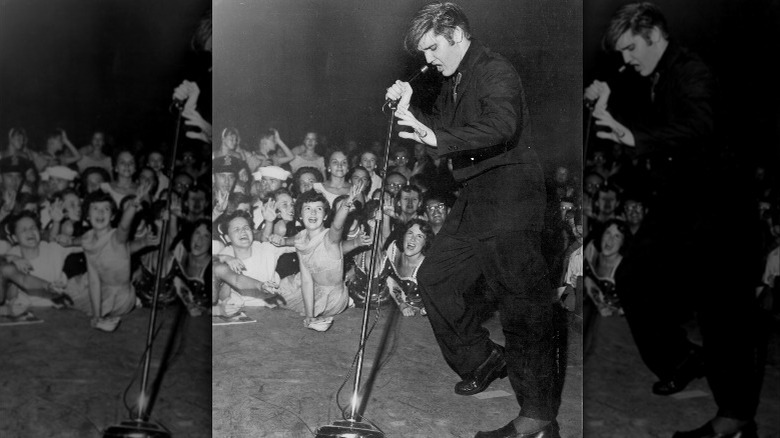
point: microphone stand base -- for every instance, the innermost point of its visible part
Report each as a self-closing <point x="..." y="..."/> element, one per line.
<point x="136" y="429"/>
<point x="348" y="429"/>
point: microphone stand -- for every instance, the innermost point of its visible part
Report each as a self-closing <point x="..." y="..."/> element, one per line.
<point x="352" y="427"/>
<point x="140" y="426"/>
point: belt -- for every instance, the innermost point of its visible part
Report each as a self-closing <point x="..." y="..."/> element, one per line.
<point x="478" y="156"/>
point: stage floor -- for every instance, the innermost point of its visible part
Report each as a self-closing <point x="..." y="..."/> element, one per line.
<point x="619" y="403"/>
<point x="273" y="378"/>
<point x="61" y="378"/>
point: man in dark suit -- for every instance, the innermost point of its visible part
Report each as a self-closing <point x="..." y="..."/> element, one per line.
<point x="672" y="123"/>
<point x="493" y="231"/>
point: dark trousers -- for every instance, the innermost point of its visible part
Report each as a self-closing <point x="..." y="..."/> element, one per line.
<point x="702" y="266"/>
<point x="513" y="267"/>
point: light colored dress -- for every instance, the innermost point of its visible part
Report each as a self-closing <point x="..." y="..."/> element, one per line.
<point x="329" y="299"/>
<point x="111" y="259"/>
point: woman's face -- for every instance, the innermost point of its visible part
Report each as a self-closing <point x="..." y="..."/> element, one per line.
<point x="27" y="233"/>
<point x="240" y="233"/>
<point x="313" y="215"/>
<point x="200" y="242"/>
<point x="368" y="160"/>
<point x="98" y="140"/>
<point x="94" y="180"/>
<point x="338" y="165"/>
<point x="243" y="175"/>
<point x="414" y="241"/>
<point x="125" y="165"/>
<point x="306" y="182"/>
<point x="99" y="215"/>
<point x="359" y="176"/>
<point x="310" y="141"/>
<point x="17" y="141"/>
<point x="267" y="144"/>
<point x="72" y="206"/>
<point x="285" y="207"/>
<point x="611" y="241"/>
<point x="156" y="161"/>
<point x="230" y="141"/>
<point x="147" y="176"/>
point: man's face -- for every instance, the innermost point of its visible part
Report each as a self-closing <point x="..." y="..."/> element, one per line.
<point x="440" y="53"/>
<point x="565" y="207"/>
<point x="268" y="184"/>
<point x="196" y="203"/>
<point x="58" y="184"/>
<point x="635" y="212"/>
<point x="592" y="184"/>
<point x="394" y="183"/>
<point x="12" y="181"/>
<point x="436" y="211"/>
<point x="401" y="158"/>
<point x="183" y="182"/>
<point x="607" y="202"/>
<point x="638" y="53"/>
<point x="409" y="202"/>
<point x="224" y="181"/>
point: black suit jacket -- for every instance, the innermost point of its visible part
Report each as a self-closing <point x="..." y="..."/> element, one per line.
<point x="502" y="193"/>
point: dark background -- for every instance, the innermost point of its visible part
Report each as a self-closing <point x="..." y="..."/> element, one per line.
<point x="739" y="40"/>
<point x="84" y="64"/>
<point x="324" y="66"/>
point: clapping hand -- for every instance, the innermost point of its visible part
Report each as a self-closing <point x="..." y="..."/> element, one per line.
<point x="269" y="211"/>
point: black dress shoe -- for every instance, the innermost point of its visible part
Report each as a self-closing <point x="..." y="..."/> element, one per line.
<point x="750" y="430"/>
<point x="691" y="368"/>
<point x="492" y="368"/>
<point x="509" y="431"/>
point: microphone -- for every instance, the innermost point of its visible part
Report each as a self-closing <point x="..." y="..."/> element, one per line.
<point x="176" y="105"/>
<point x="422" y="70"/>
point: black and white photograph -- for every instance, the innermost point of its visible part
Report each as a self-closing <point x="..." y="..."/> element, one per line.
<point x="395" y="208"/>
<point x="105" y="110"/>
<point x="682" y="224"/>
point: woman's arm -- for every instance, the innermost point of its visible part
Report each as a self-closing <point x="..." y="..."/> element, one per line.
<point x="288" y="154"/>
<point x="75" y="154"/>
<point x="133" y="207"/>
<point x="337" y="226"/>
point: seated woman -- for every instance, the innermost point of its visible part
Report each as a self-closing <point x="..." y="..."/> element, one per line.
<point x="402" y="260"/>
<point x="108" y="251"/>
<point x="124" y="184"/>
<point x="602" y="257"/>
<point x="337" y="183"/>
<point x="318" y="292"/>
<point x="188" y="266"/>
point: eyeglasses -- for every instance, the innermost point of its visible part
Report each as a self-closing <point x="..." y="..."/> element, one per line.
<point x="394" y="185"/>
<point x="634" y="207"/>
<point x="438" y="207"/>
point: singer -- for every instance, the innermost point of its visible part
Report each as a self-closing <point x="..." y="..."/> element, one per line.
<point x="671" y="124"/>
<point x="493" y="230"/>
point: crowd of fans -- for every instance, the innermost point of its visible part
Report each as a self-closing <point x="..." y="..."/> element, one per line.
<point x="294" y="224"/>
<point x="81" y="228"/>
